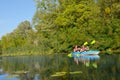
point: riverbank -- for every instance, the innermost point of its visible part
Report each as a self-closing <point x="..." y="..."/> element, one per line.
<point x="23" y="54"/>
<point x="48" y="53"/>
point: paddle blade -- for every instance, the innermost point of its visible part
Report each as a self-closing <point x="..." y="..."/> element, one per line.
<point x="93" y="42"/>
<point x="70" y="55"/>
<point x="85" y="43"/>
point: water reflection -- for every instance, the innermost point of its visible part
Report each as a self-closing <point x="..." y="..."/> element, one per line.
<point x="60" y="67"/>
<point x="86" y="59"/>
<point x="7" y="77"/>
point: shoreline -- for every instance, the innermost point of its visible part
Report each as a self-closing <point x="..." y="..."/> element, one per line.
<point x="39" y="54"/>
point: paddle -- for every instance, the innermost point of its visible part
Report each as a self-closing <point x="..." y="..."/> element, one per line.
<point x="85" y="43"/>
<point x="70" y="55"/>
<point x="93" y="42"/>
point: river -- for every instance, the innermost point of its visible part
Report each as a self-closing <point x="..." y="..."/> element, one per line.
<point x="60" y="67"/>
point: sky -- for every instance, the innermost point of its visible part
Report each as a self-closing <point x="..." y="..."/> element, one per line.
<point x="13" y="12"/>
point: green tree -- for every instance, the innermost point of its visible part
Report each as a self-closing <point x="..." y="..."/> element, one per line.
<point x="0" y="48"/>
<point x="61" y="24"/>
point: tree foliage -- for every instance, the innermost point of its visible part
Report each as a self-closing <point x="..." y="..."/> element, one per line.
<point x="61" y="24"/>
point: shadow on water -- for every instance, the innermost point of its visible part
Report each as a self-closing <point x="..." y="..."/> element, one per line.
<point x="60" y="67"/>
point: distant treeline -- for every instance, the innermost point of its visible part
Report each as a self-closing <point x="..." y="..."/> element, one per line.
<point x="58" y="25"/>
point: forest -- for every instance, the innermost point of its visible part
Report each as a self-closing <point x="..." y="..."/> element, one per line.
<point x="58" y="25"/>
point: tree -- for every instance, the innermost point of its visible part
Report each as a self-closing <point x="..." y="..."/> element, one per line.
<point x="45" y="14"/>
<point x="0" y="48"/>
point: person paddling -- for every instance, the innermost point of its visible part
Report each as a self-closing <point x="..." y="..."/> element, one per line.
<point x="83" y="48"/>
<point x="75" y="48"/>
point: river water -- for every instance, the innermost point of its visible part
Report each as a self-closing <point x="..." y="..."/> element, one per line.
<point x="60" y="67"/>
